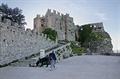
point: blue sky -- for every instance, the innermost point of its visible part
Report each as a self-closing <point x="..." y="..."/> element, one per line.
<point x="83" y="12"/>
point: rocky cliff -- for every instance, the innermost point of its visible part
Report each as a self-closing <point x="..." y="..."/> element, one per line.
<point x="94" y="38"/>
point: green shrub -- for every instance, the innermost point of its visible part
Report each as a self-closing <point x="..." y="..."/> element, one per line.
<point x="52" y="34"/>
<point x="84" y="32"/>
<point x="77" y="49"/>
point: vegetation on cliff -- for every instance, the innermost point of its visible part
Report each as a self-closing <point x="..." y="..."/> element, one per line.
<point x="95" y="41"/>
<point x="97" y="36"/>
<point x="84" y="32"/>
<point x="77" y="49"/>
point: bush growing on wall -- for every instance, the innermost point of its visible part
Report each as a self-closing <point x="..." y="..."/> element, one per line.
<point x="52" y="34"/>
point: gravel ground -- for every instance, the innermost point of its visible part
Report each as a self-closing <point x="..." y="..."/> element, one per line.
<point x="77" y="67"/>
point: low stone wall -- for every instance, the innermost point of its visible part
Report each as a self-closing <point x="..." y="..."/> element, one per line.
<point x="115" y="54"/>
<point x="112" y="54"/>
<point x="62" y="52"/>
<point x="17" y="43"/>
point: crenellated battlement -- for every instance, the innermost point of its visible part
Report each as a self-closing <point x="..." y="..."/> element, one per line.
<point x="38" y="15"/>
<point x="54" y="12"/>
<point x="49" y="10"/>
<point x="67" y="15"/>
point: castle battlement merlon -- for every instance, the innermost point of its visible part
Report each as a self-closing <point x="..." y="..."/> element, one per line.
<point x="54" y="11"/>
<point x="62" y="14"/>
<point x="58" y="13"/>
<point x="38" y="15"/>
<point x="67" y="15"/>
<point x="49" y="10"/>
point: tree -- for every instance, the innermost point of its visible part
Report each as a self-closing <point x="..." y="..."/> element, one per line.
<point x="21" y="19"/>
<point x="15" y="15"/>
<point x="4" y="10"/>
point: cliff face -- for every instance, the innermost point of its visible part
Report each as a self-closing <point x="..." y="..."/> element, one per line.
<point x="95" y="38"/>
<point x="99" y="42"/>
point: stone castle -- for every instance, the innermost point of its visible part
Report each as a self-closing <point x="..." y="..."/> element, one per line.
<point x="63" y="24"/>
<point x="17" y="43"/>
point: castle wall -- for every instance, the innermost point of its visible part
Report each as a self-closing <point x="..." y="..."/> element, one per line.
<point x="17" y="43"/>
<point x="38" y="24"/>
<point x="98" y="27"/>
<point x="70" y="28"/>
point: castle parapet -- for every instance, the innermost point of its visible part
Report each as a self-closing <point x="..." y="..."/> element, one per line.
<point x="67" y="15"/>
<point x="54" y="11"/>
<point x="58" y="13"/>
<point x="38" y="15"/>
<point x="62" y="15"/>
<point x="49" y="10"/>
<point x="29" y="32"/>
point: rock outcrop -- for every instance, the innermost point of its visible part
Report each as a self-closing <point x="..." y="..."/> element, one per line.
<point x="95" y="39"/>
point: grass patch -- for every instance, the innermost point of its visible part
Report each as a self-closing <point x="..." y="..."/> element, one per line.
<point x="77" y="50"/>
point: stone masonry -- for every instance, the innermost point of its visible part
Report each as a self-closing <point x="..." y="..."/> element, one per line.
<point x="63" y="24"/>
<point x="17" y="43"/>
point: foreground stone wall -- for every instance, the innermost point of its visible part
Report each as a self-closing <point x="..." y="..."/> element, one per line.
<point x="17" y="43"/>
<point x="62" y="52"/>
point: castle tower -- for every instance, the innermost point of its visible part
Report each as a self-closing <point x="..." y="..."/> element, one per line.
<point x="49" y="19"/>
<point x="63" y="24"/>
<point x="69" y="28"/>
<point x="39" y="23"/>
